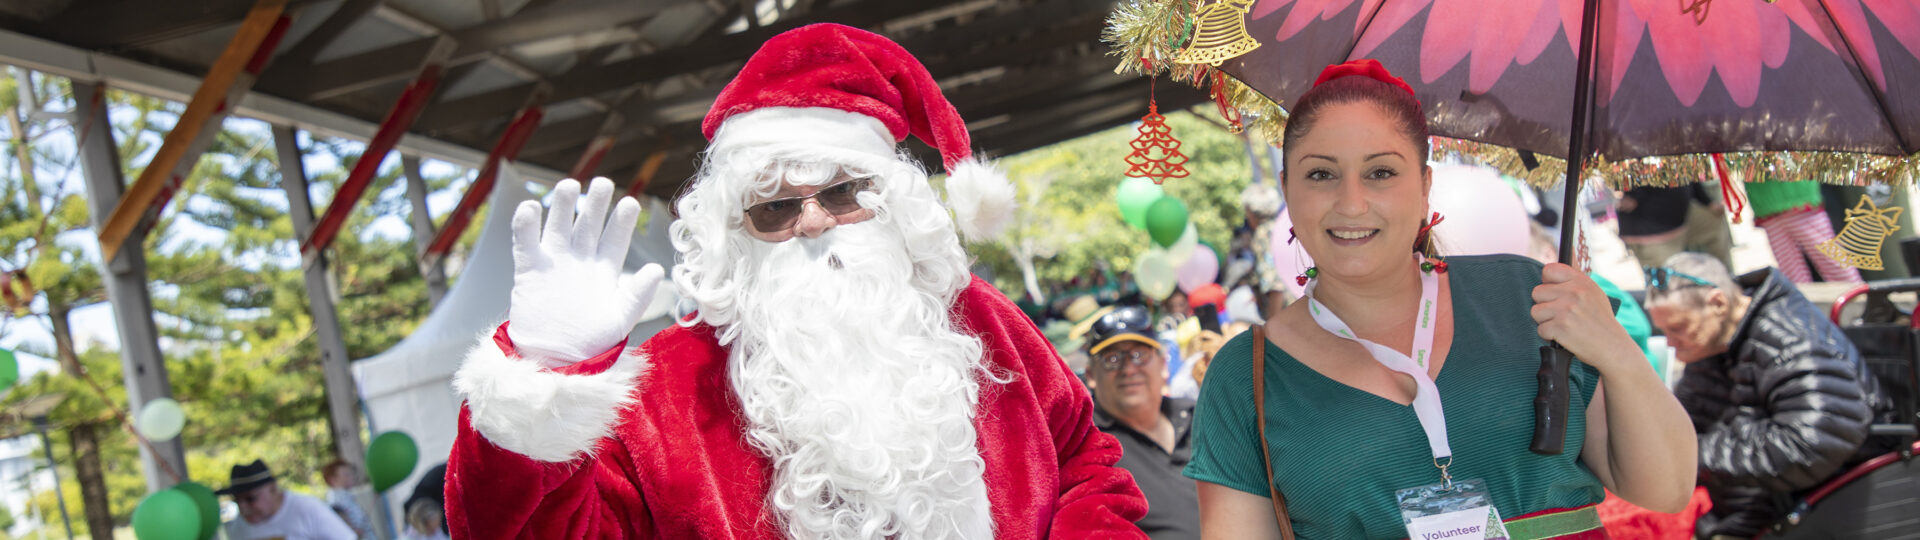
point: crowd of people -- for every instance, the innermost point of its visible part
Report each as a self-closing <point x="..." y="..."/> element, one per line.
<point x="844" y="375"/>
<point x="267" y="510"/>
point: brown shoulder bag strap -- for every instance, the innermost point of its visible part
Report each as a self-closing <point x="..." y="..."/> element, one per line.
<point x="1260" y="420"/>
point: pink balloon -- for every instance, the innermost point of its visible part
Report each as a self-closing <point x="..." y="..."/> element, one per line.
<point x="1200" y="269"/>
<point x="1482" y="215"/>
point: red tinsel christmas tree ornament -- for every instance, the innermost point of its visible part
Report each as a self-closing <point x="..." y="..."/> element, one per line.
<point x="1156" y="153"/>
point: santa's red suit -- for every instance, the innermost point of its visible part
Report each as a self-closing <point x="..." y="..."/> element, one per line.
<point x="676" y="464"/>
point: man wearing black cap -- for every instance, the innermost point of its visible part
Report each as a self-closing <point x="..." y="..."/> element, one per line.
<point x="268" y="512"/>
<point x="1128" y="377"/>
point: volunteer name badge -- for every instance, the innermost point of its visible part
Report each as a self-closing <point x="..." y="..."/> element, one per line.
<point x="1450" y="511"/>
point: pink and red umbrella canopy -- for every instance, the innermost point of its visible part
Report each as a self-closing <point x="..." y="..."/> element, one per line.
<point x="1723" y="76"/>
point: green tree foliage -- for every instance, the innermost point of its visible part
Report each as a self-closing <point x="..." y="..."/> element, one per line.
<point x="1074" y="225"/>
<point x="6" y="519"/>
<point x="229" y="295"/>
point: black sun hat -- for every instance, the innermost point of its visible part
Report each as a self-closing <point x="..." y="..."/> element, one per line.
<point x="246" y="477"/>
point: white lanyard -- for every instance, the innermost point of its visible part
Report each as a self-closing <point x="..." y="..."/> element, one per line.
<point x="1426" y="400"/>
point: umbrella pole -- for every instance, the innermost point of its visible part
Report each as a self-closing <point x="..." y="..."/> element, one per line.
<point x="1550" y="403"/>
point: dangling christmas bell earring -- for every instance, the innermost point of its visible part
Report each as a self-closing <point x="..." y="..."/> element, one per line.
<point x="1420" y="244"/>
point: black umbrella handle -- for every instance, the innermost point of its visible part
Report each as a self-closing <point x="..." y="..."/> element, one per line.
<point x="1550" y="403"/>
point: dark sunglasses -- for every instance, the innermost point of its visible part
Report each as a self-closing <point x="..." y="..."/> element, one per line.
<point x="1135" y="357"/>
<point x="780" y="214"/>
<point x="1662" y="279"/>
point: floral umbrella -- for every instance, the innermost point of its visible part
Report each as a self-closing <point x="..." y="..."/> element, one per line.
<point x="1605" y="79"/>
<point x="1669" y="76"/>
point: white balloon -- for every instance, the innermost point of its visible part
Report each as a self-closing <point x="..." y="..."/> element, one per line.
<point x="161" y="420"/>
<point x="1155" y="273"/>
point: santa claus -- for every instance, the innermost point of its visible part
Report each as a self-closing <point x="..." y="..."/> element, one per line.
<point x="844" y="376"/>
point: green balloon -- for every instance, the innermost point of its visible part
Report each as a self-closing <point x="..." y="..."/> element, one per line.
<point x="391" y="458"/>
<point x="1166" y="221"/>
<point x="1134" y="196"/>
<point x="209" y="506"/>
<point x="167" y="515"/>
<point x="9" y="369"/>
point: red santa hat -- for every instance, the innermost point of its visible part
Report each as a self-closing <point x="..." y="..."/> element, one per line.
<point x="836" y="86"/>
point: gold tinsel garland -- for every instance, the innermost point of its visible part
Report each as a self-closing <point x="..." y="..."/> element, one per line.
<point x="1148" y="34"/>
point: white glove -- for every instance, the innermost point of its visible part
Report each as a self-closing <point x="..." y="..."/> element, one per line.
<point x="570" y="301"/>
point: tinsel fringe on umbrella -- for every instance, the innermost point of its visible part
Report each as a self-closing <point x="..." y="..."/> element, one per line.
<point x="1148" y="34"/>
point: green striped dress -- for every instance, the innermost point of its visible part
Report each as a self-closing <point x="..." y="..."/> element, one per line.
<point x="1340" y="453"/>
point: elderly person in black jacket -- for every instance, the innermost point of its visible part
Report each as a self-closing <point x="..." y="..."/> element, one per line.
<point x="1779" y="397"/>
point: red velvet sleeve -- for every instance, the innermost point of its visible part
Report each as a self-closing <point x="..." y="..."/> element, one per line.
<point x="493" y="492"/>
<point x="1097" y="498"/>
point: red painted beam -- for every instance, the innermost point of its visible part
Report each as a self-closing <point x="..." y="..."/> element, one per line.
<point x="590" y="159"/>
<point x="405" y="110"/>
<point x="645" y="176"/>
<point x="509" y="146"/>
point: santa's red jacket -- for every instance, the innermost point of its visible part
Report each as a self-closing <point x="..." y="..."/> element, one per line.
<point x="649" y="443"/>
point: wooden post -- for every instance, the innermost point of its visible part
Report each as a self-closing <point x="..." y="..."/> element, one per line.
<point x="422" y="222"/>
<point x="343" y="396"/>
<point x="142" y="369"/>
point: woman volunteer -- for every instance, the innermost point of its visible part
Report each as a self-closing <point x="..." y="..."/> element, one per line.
<point x="1397" y="398"/>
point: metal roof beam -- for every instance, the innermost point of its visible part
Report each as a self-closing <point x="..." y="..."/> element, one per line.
<point x="371" y="68"/>
<point x="683" y="112"/>
<point x="123" y="24"/>
<point x="588" y="80"/>
<point x="342" y="18"/>
<point x="679" y="138"/>
<point x="561" y="135"/>
<point x="597" y="148"/>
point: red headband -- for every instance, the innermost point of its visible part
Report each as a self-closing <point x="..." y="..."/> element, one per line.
<point x="1365" y="67"/>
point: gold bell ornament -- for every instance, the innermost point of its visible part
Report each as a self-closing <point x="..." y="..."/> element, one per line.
<point x="1858" y="244"/>
<point x="1219" y="34"/>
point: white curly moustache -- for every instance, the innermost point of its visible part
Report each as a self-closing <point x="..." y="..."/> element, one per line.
<point x="860" y="390"/>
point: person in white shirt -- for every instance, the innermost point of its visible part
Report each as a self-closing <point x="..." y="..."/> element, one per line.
<point x="268" y="512"/>
<point x="341" y="477"/>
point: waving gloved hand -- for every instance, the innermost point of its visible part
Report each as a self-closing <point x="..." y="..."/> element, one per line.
<point x="570" y="298"/>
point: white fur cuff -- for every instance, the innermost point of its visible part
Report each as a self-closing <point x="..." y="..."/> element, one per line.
<point x="540" y="414"/>
<point x="982" y="199"/>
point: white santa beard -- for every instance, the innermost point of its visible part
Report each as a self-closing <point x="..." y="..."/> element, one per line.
<point x="860" y="390"/>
